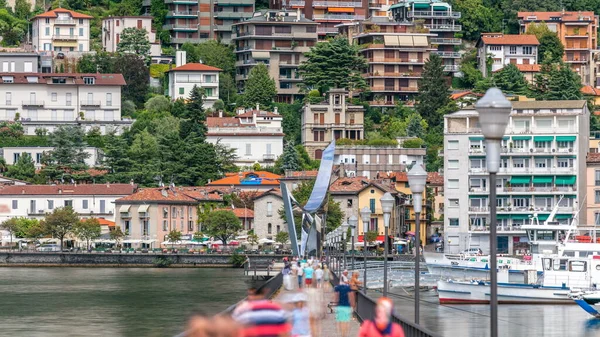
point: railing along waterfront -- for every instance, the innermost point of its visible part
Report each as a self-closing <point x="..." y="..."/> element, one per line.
<point x="268" y="288"/>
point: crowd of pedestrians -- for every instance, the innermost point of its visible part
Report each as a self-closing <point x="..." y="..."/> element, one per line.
<point x="301" y="310"/>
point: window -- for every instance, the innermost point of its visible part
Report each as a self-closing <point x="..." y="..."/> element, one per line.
<point x="108" y="99"/>
<point x="127" y="225"/>
<point x="597" y="200"/>
<point x="564" y="145"/>
<point x="278" y="229"/>
<point x="53" y="97"/>
<point x="68" y="203"/>
<point x="28" y="68"/>
<point x="452" y="202"/>
<point x="209" y="79"/>
<point x="269" y="228"/>
<point x="269" y="208"/>
<point x="372" y="205"/>
<point x="89" y="80"/>
<point x="597" y="218"/>
<point x="50" y="204"/>
<point x="453" y="164"/>
<point x="81" y="21"/>
<point x="248" y="149"/>
<point x="190" y="225"/>
<point x="495" y="48"/>
<point x="117" y="23"/>
<point x="165" y="212"/>
<point x="597" y="173"/>
<point x="165" y="225"/>
<point x="174" y="212"/>
<point x="527" y="50"/>
<point x="181" y="91"/>
<point x="8" y="98"/>
<point x="452" y="183"/>
<point x="84" y="204"/>
<point x="512" y="50"/>
<point x="57" y="31"/>
<point x="68" y="99"/>
<point x="311" y="29"/>
<point x="32" y="206"/>
<point x="47" y="31"/>
<point x="15" y="204"/>
<point x="543" y="123"/>
<point x="349" y="202"/>
<point x="208" y="92"/>
<point x="16" y="157"/>
<point x="453" y="222"/>
<point x="47" y="21"/>
<point x="80" y="31"/>
<point x="453" y="145"/>
<point x="181" y="212"/>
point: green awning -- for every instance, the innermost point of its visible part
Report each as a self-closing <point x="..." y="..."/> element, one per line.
<point x="570" y="196"/>
<point x="544" y="157"/>
<point x="441" y="6"/>
<point x="396" y="6"/>
<point x="477" y="196"/>
<point x="502" y="216"/>
<point x="543" y="217"/>
<point x="521" y="196"/>
<point x="566" y="138"/>
<point x="567" y="157"/>
<point x="520" y="180"/>
<point x="519" y="216"/>
<point x="543" y="138"/>
<point x="521" y="137"/>
<point x="542" y="180"/>
<point x="421" y="5"/>
<point x="565" y="180"/>
<point x="476" y="138"/>
<point x="563" y="216"/>
<point x="505" y="138"/>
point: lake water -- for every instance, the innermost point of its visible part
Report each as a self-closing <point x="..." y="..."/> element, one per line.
<point x="111" y="301"/>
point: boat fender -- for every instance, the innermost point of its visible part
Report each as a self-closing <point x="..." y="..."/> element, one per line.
<point x="564" y="285"/>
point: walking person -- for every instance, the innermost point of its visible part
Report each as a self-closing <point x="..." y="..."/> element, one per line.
<point x="260" y="317"/>
<point x="308" y="275"/>
<point x="343" y="313"/>
<point x="326" y="277"/>
<point x="300" y="317"/>
<point x="319" y="277"/>
<point x="316" y="307"/>
<point x="382" y="325"/>
<point x="355" y="284"/>
<point x="300" y="274"/>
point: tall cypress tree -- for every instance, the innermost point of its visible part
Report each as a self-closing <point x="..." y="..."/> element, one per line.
<point x="260" y="87"/>
<point x="511" y="80"/>
<point x="434" y="91"/>
<point x="289" y="158"/>
<point x="194" y="124"/>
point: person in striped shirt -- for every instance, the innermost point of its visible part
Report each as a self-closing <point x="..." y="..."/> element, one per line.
<point x="260" y="317"/>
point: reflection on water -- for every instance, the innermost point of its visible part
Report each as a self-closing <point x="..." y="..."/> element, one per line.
<point x="513" y="320"/>
<point x="111" y="301"/>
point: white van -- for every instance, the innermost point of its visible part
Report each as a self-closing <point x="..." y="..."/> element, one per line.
<point x="49" y="248"/>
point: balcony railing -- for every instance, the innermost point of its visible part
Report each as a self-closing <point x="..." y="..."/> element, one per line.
<point x="64" y="22"/>
<point x="187" y="39"/>
<point x="338" y="17"/>
<point x="182" y="13"/>
<point x="325" y="30"/>
<point x="393" y="88"/>
<point x="499" y="228"/>
<point x="447" y="54"/>
<point x="33" y="103"/>
<point x="392" y="60"/>
<point x="235" y="2"/>
<point x="90" y="103"/>
<point x="268" y="157"/>
<point x="233" y="15"/>
<point x="337" y="4"/>
<point x="451" y="67"/>
<point x="64" y="37"/>
<point x="181" y="27"/>
<point x="296" y="3"/>
<point x="444" y="27"/>
<point x="439" y="40"/>
<point x="434" y="14"/>
<point x="392" y="75"/>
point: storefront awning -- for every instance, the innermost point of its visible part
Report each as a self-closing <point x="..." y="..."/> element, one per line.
<point x="570" y="196"/>
<point x="521" y="137"/>
<point x="477" y="196"/>
<point x="566" y="138"/>
<point x="542" y="180"/>
<point x="519" y="216"/>
<point x="143" y="208"/>
<point x="543" y="138"/>
<point x="502" y="216"/>
<point x="565" y="180"/>
<point x="476" y="138"/>
<point x="260" y="55"/>
<point x="420" y="41"/>
<point x="421" y="5"/>
<point x="543" y="217"/>
<point x="520" y="180"/>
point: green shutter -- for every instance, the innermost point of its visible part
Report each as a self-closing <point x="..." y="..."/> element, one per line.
<point x="543" y="217"/>
<point x="563" y="216"/>
<point x="521" y="137"/>
<point x="543" y="138"/>
<point x="372" y="204"/>
<point x="520" y="180"/>
<point x="566" y="138"/>
<point x="565" y="180"/>
<point x="542" y="180"/>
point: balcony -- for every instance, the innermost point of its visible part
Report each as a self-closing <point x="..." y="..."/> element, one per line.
<point x="393" y="60"/>
<point x="67" y="22"/>
<point x="380" y="88"/>
<point x="235" y="2"/>
<point x="447" y="54"/>
<point x="451" y="68"/>
<point x="182" y="2"/>
<point x="182" y="14"/>
<point x="434" y="14"/>
<point x="443" y="27"/>
<point x="233" y="15"/>
<point x="351" y="4"/>
<point x="33" y="104"/>
<point x="64" y="37"/>
<point x="225" y="28"/>
<point x="499" y="228"/>
<point x="180" y="40"/>
<point x="182" y="27"/>
<point x="285" y="78"/>
<point x="338" y="17"/>
<point x="288" y="64"/>
<point x="90" y="104"/>
<point x="439" y="40"/>
<point x="327" y="30"/>
<point x="392" y="75"/>
<point x="296" y="3"/>
<point x="268" y="157"/>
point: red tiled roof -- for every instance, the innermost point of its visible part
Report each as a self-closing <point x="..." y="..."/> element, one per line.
<point x="54" y="14"/>
<point x="301" y="174"/>
<point x="84" y="189"/>
<point x="42" y="78"/>
<point x="458" y="95"/>
<point x="259" y="113"/>
<point x="240" y="212"/>
<point x="547" y="16"/>
<point x="248" y="179"/>
<point x="434" y="178"/>
<point x="201" y="194"/>
<point x="589" y="90"/>
<point x="225" y="122"/>
<point x="195" y="67"/>
<point x="529" y="68"/>
<point x="593" y="158"/>
<point x="353" y="184"/>
<point x="103" y="222"/>
<point x="157" y="194"/>
<point x="273" y="191"/>
<point x="511" y="40"/>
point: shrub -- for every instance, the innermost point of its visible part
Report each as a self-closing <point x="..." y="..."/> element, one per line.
<point x="237" y="260"/>
<point x="162" y="262"/>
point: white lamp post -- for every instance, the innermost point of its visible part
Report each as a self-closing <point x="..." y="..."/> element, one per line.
<point x="365" y="214"/>
<point x="344" y="233"/>
<point x="494" y="112"/>
<point x="387" y="205"/>
<point x="353" y="222"/>
<point x="417" y="178"/>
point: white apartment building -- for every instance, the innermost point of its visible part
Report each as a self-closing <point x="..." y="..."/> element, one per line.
<point x="19" y="60"/>
<point x="12" y="154"/>
<point x="34" y="201"/>
<point x="369" y="161"/>
<point x="256" y="135"/>
<point x="506" y="49"/>
<point x="184" y="77"/>
<point x="46" y="101"/>
<point x="112" y="28"/>
<point x="61" y="30"/>
<point x="543" y="160"/>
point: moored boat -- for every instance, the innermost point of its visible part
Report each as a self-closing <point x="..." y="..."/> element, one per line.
<point x="588" y="300"/>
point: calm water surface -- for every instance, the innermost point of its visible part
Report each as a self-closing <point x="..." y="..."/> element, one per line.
<point x="111" y="301"/>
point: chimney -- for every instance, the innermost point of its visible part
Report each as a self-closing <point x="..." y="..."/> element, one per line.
<point x="180" y="58"/>
<point x="241" y="110"/>
<point x="275" y="111"/>
<point x="220" y="113"/>
<point x="107" y="184"/>
<point x="131" y="182"/>
<point x="257" y="107"/>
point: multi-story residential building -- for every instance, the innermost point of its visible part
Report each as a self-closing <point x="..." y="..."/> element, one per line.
<point x="34" y="201"/>
<point x="46" y="101"/>
<point x="229" y="12"/>
<point x="14" y="60"/>
<point x="186" y="76"/>
<point x="12" y="154"/>
<point x="578" y="34"/>
<point x="395" y="57"/>
<point x="248" y="181"/>
<point x="61" y="30"/>
<point x="593" y="189"/>
<point x="435" y="17"/>
<point x="542" y="166"/>
<point x="506" y="49"/>
<point x="256" y="135"/>
<point x="187" y="21"/>
<point x="278" y="39"/>
<point x="293" y="179"/>
<point x="148" y="215"/>
<point x="112" y="28"/>
<point x="331" y="119"/>
<point x="267" y="222"/>
<point x="368" y="161"/>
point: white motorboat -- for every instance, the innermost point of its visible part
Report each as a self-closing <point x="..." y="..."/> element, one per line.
<point x="588" y="300"/>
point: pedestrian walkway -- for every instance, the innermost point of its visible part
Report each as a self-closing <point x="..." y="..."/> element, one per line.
<point x="328" y="324"/>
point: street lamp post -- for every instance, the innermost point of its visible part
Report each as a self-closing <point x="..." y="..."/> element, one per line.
<point x="387" y="205"/>
<point x="494" y="111"/>
<point x="417" y="177"/>
<point x="365" y="214"/>
<point x="338" y="233"/>
<point x="344" y="233"/>
<point x="353" y="222"/>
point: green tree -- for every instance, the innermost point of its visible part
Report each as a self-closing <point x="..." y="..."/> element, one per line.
<point x="22" y="9"/>
<point x="291" y="124"/>
<point x="158" y="104"/>
<point x="225" y="158"/>
<point x="413" y="143"/>
<point x="116" y="235"/>
<point x="173" y="237"/>
<point x="415" y="126"/>
<point x="61" y="223"/>
<point x="116" y="158"/>
<point x="136" y="75"/>
<point x="253" y="238"/>
<point x="145" y="158"/>
<point x="433" y="91"/>
<point x="470" y="70"/>
<point x="135" y="41"/>
<point x="511" y="80"/>
<point x="550" y="48"/>
<point x="477" y="17"/>
<point x="282" y="237"/>
<point x="538" y="29"/>
<point x="195" y="115"/>
<point x="333" y="64"/>
<point x="12" y="29"/>
<point x="227" y="90"/>
<point x="223" y="225"/>
<point x="68" y="154"/>
<point x="87" y="230"/>
<point x="557" y="82"/>
<point x="371" y="237"/>
<point x="25" y="225"/>
<point x="37" y="230"/>
<point x="23" y="169"/>
<point x="260" y="87"/>
<point x="212" y="53"/>
<point x="12" y="226"/>
<point x="289" y="158"/>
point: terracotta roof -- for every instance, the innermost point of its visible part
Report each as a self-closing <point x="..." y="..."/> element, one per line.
<point x="195" y="67"/>
<point x="259" y="113"/>
<point x="201" y="193"/>
<point x="225" y="122"/>
<point x="433" y="178"/>
<point x="248" y="179"/>
<point x="54" y="14"/>
<point x="239" y="212"/>
<point x="208" y="189"/>
<point x="547" y="16"/>
<point x="593" y="158"/>
<point x="273" y="191"/>
<point x="103" y="222"/>
<point x="589" y="90"/>
<point x="301" y="174"/>
<point x="462" y="94"/>
<point x="84" y="189"/>
<point x="43" y="78"/>
<point x="535" y="68"/>
<point x="511" y="40"/>
<point x="353" y="184"/>
<point x="157" y="194"/>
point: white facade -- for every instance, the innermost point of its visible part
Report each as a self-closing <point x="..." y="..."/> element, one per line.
<point x="506" y="49"/>
<point x="543" y="158"/>
<point x="185" y="76"/>
<point x="50" y="100"/>
<point x="11" y="155"/>
<point x="112" y="28"/>
<point x="61" y="30"/>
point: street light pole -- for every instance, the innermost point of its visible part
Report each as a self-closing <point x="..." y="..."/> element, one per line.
<point x="494" y="111"/>
<point x="387" y="205"/>
<point x="417" y="178"/>
<point x="353" y="222"/>
<point x="365" y="214"/>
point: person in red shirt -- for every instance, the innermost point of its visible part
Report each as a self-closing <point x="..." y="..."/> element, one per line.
<point x="382" y="325"/>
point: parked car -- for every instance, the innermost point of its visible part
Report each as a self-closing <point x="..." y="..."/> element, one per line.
<point x="48" y="248"/>
<point x="435" y="238"/>
<point x="60" y="56"/>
